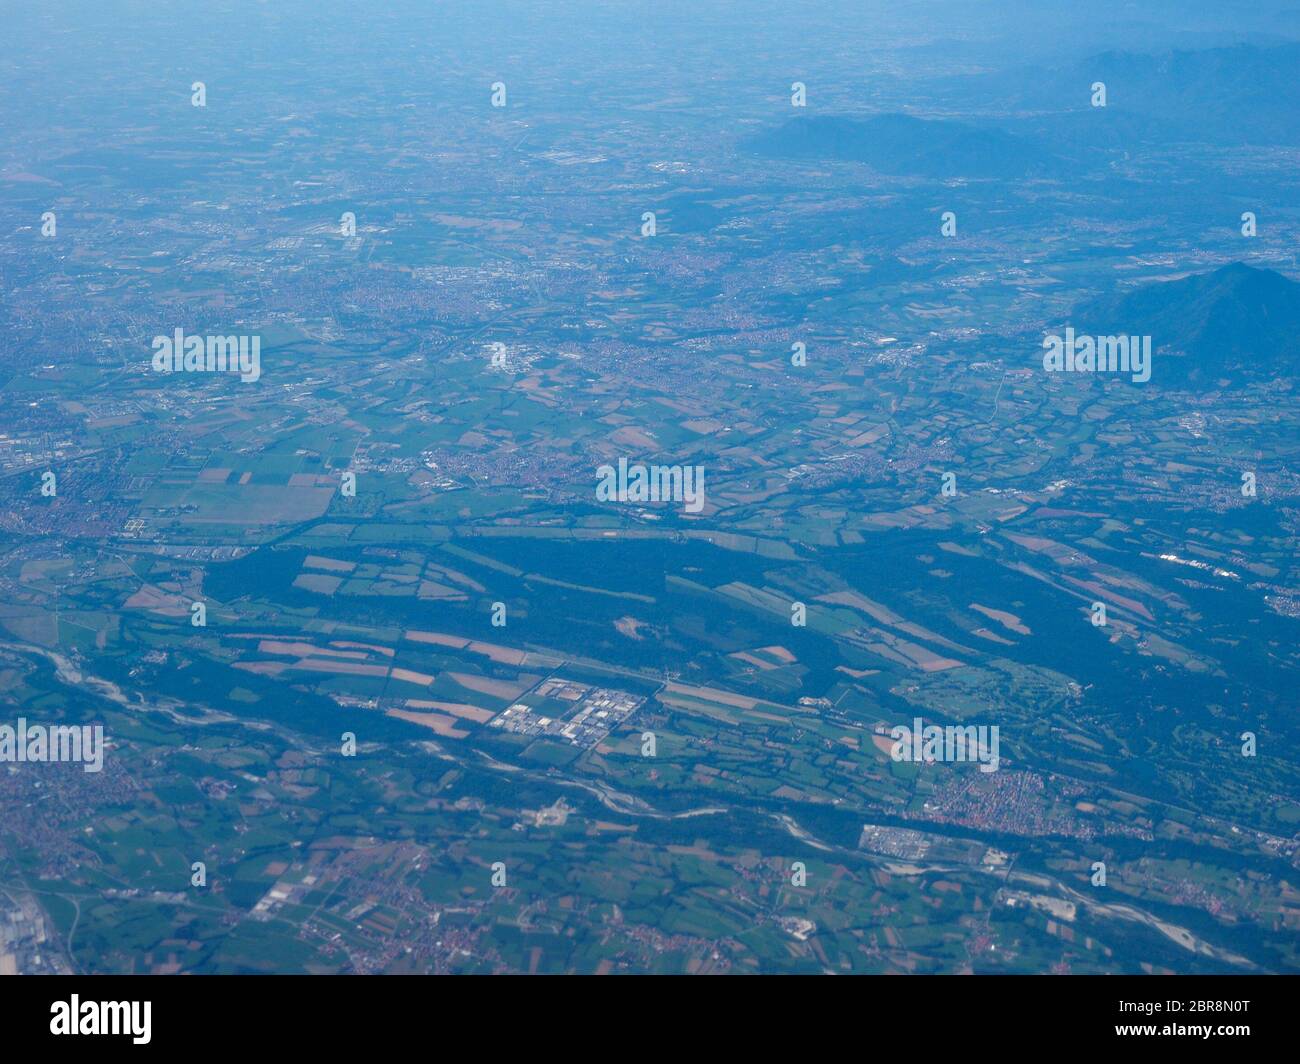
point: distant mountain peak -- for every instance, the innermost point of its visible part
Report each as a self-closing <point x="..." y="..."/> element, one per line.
<point x="1234" y="322"/>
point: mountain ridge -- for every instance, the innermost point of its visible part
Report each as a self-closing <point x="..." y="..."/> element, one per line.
<point x="1235" y="322"/>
